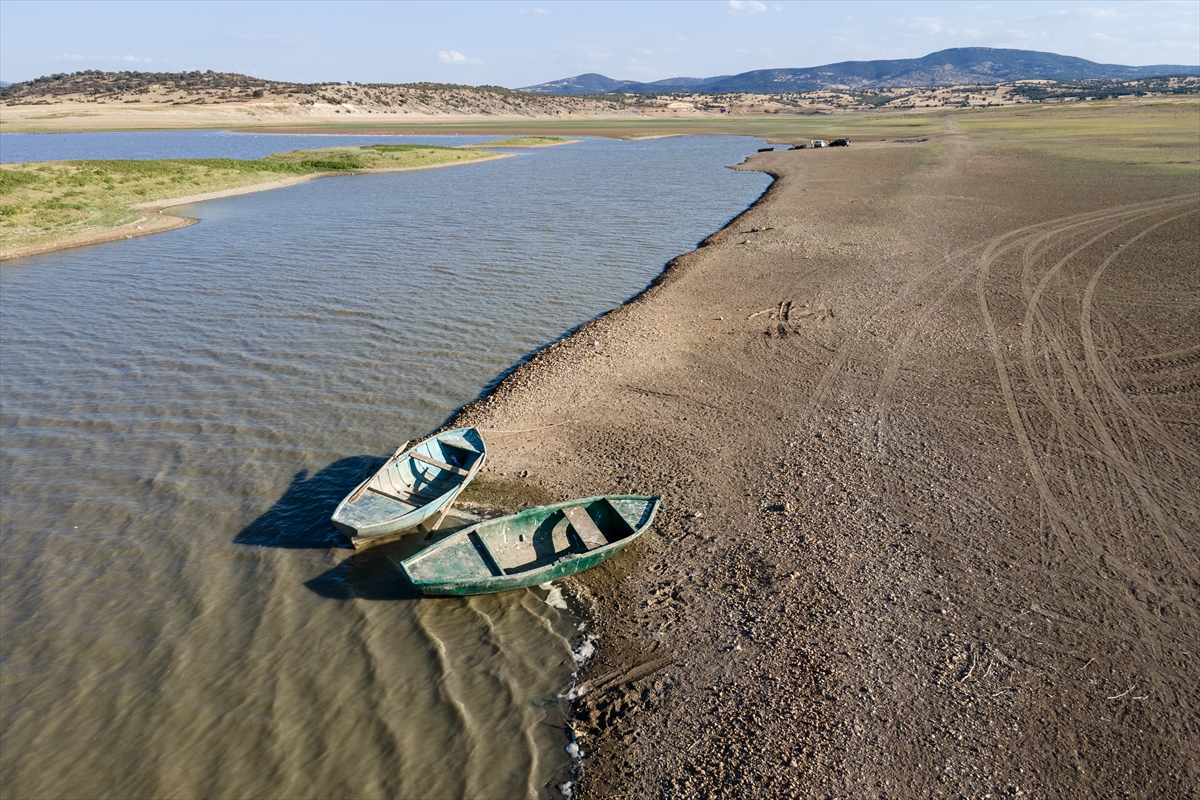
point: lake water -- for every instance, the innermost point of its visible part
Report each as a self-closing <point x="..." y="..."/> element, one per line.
<point x="181" y="412"/>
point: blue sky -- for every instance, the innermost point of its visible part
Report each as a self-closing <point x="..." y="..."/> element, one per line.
<point x="522" y="43"/>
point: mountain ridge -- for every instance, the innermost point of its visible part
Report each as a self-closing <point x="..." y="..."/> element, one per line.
<point x="953" y="66"/>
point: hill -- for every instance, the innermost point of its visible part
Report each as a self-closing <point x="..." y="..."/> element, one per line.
<point x="956" y="66"/>
<point x="261" y="97"/>
<point x="93" y="100"/>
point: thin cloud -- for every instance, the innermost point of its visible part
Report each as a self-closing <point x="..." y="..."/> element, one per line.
<point x="745" y="6"/>
<point x="535" y="11"/>
<point x="930" y="25"/>
<point x="455" y="57"/>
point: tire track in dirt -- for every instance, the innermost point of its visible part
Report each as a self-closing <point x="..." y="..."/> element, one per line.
<point x="1034" y="320"/>
<point x="1096" y="364"/>
<point x="1129" y="487"/>
<point x="963" y="272"/>
<point x="1099" y="441"/>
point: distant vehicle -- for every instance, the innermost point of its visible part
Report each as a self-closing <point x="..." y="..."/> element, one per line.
<point x="819" y="143"/>
<point x="840" y="143"/>
<point x="800" y="146"/>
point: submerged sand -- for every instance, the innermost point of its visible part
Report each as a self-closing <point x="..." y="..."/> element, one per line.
<point x="926" y="423"/>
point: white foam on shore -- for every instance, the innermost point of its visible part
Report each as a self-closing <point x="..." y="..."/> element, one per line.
<point x="586" y="650"/>
<point x="554" y="596"/>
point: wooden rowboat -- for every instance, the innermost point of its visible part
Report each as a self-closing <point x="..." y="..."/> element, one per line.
<point x="531" y="547"/>
<point x="411" y="487"/>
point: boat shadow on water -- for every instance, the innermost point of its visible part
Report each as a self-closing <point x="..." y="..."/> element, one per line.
<point x="375" y="573"/>
<point x="300" y="518"/>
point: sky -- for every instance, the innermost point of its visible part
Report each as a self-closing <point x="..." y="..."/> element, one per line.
<point x="517" y="44"/>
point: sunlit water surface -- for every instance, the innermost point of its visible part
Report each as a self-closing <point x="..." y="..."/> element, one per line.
<point x="182" y="412"/>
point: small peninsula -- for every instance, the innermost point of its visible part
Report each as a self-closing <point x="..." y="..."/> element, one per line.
<point x="47" y="206"/>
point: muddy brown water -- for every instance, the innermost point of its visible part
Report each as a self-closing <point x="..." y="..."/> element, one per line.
<point x="182" y="412"/>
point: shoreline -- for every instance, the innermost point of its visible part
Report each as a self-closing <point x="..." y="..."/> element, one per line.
<point x="486" y="145"/>
<point x="159" y="221"/>
<point x="848" y="551"/>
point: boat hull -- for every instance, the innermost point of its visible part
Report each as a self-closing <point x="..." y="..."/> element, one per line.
<point x="523" y="580"/>
<point x="532" y="547"/>
<point x="411" y="488"/>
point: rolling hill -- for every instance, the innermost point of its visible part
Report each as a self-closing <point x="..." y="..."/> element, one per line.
<point x="956" y="66"/>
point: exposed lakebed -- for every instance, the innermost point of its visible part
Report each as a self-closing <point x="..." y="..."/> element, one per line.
<point x="181" y="413"/>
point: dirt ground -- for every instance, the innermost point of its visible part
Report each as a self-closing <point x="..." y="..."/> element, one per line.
<point x="926" y="420"/>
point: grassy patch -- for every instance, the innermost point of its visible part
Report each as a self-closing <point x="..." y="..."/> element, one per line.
<point x="525" y="141"/>
<point x="1162" y="138"/>
<point x="46" y="201"/>
<point x="882" y="124"/>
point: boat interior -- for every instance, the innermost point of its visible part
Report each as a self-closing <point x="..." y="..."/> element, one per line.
<point x="432" y="470"/>
<point x="573" y="530"/>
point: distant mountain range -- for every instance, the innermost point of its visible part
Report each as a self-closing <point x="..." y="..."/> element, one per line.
<point x="956" y="66"/>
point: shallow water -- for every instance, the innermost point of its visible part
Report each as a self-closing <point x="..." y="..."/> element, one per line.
<point x="192" y="144"/>
<point x="182" y="412"/>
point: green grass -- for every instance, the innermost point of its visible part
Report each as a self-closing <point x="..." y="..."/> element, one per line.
<point x="46" y="201"/>
<point x="1160" y="138"/>
<point x="524" y="141"/>
<point x="882" y="124"/>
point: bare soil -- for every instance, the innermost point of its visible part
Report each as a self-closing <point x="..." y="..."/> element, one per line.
<point x="926" y="420"/>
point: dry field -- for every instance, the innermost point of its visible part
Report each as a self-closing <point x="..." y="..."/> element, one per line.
<point x="927" y="422"/>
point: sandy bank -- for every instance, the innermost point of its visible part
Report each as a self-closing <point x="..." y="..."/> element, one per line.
<point x="157" y="220"/>
<point x="925" y="420"/>
<point x="486" y="145"/>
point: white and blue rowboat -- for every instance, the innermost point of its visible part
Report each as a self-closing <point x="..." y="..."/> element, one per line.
<point x="411" y="487"/>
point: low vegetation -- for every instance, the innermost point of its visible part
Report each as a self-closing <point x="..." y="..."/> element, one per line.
<point x="524" y="141"/>
<point x="46" y="201"/>
<point x="94" y="100"/>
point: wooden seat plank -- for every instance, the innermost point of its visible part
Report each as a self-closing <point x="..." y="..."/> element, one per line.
<point x="440" y="464"/>
<point x="585" y="527"/>
<point x="391" y="496"/>
<point x="418" y="499"/>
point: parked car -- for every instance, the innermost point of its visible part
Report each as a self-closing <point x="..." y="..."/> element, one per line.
<point x="819" y="143"/>
<point x="840" y="143"/>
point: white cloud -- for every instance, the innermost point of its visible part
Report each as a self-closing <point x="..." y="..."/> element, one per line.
<point x="455" y="57"/>
<point x="776" y="6"/>
<point x="135" y="58"/>
<point x="745" y="6"/>
<point x="930" y="25"/>
<point x="1021" y="35"/>
<point x="1097" y="13"/>
<point x="70" y="57"/>
<point x="535" y="11"/>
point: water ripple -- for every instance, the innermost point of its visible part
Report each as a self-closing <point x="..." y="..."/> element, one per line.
<point x="180" y="415"/>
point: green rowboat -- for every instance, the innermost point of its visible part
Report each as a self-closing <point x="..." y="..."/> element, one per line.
<point x="411" y="487"/>
<point x="531" y="547"/>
